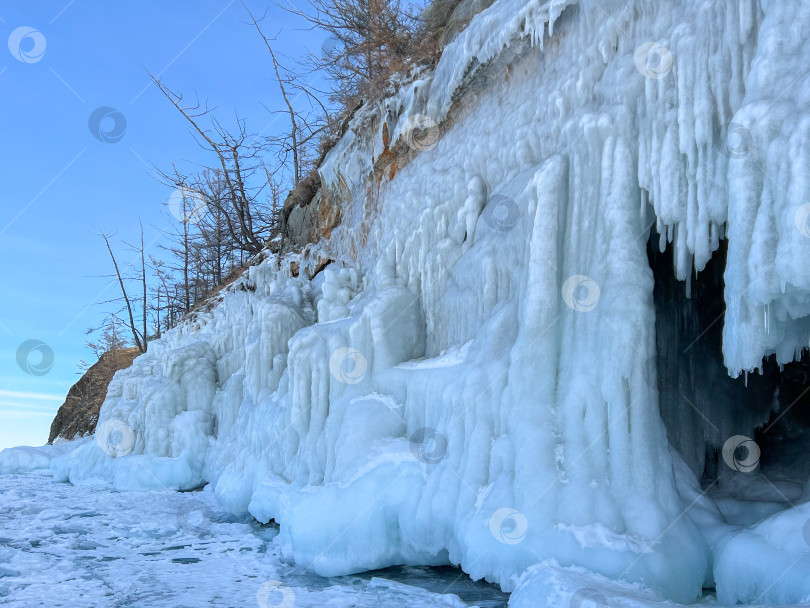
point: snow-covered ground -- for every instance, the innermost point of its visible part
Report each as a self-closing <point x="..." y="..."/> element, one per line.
<point x="66" y="545"/>
<point x="86" y="545"/>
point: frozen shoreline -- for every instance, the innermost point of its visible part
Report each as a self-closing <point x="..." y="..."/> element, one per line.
<point x="86" y="545"/>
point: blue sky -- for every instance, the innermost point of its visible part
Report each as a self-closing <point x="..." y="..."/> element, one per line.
<point x="61" y="185"/>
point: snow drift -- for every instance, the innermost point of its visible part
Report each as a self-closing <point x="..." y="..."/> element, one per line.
<point x="470" y="381"/>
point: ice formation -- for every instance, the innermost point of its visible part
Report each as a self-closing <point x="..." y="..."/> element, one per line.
<point x="469" y="382"/>
<point x="26" y="459"/>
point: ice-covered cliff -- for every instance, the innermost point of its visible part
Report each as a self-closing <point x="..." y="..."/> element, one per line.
<point x="473" y="380"/>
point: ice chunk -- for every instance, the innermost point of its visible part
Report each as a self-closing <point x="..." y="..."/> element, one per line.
<point x="768" y="562"/>
<point x="25" y="459"/>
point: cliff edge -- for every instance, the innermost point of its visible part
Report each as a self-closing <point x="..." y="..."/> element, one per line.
<point x="78" y="415"/>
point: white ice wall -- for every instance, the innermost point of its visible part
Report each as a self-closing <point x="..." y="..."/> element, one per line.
<point x="472" y="381"/>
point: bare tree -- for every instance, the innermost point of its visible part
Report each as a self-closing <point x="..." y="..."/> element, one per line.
<point x="237" y="157"/>
<point x="110" y="342"/>
<point x="373" y="39"/>
<point x="305" y="127"/>
<point x="144" y="301"/>
<point x="140" y="338"/>
<point x="162" y="304"/>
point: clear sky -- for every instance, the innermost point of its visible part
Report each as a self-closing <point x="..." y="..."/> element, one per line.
<point x="60" y="185"/>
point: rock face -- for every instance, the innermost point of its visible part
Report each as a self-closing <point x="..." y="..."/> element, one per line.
<point x="78" y="415"/>
<point x="449" y="17"/>
<point x="308" y="216"/>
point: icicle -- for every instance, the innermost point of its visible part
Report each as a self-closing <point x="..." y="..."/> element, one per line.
<point x="643" y="208"/>
<point x="662" y="241"/>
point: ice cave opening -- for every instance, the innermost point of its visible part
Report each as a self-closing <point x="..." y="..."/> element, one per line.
<point x="747" y="439"/>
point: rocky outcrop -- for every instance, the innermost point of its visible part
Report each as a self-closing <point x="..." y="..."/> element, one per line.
<point x="78" y="415"/>
<point x="449" y="17"/>
<point x="307" y="217"/>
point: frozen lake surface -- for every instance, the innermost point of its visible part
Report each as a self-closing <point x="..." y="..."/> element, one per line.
<point x="66" y="545"/>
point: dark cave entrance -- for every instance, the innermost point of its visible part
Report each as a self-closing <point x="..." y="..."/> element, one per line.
<point x="702" y="407"/>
